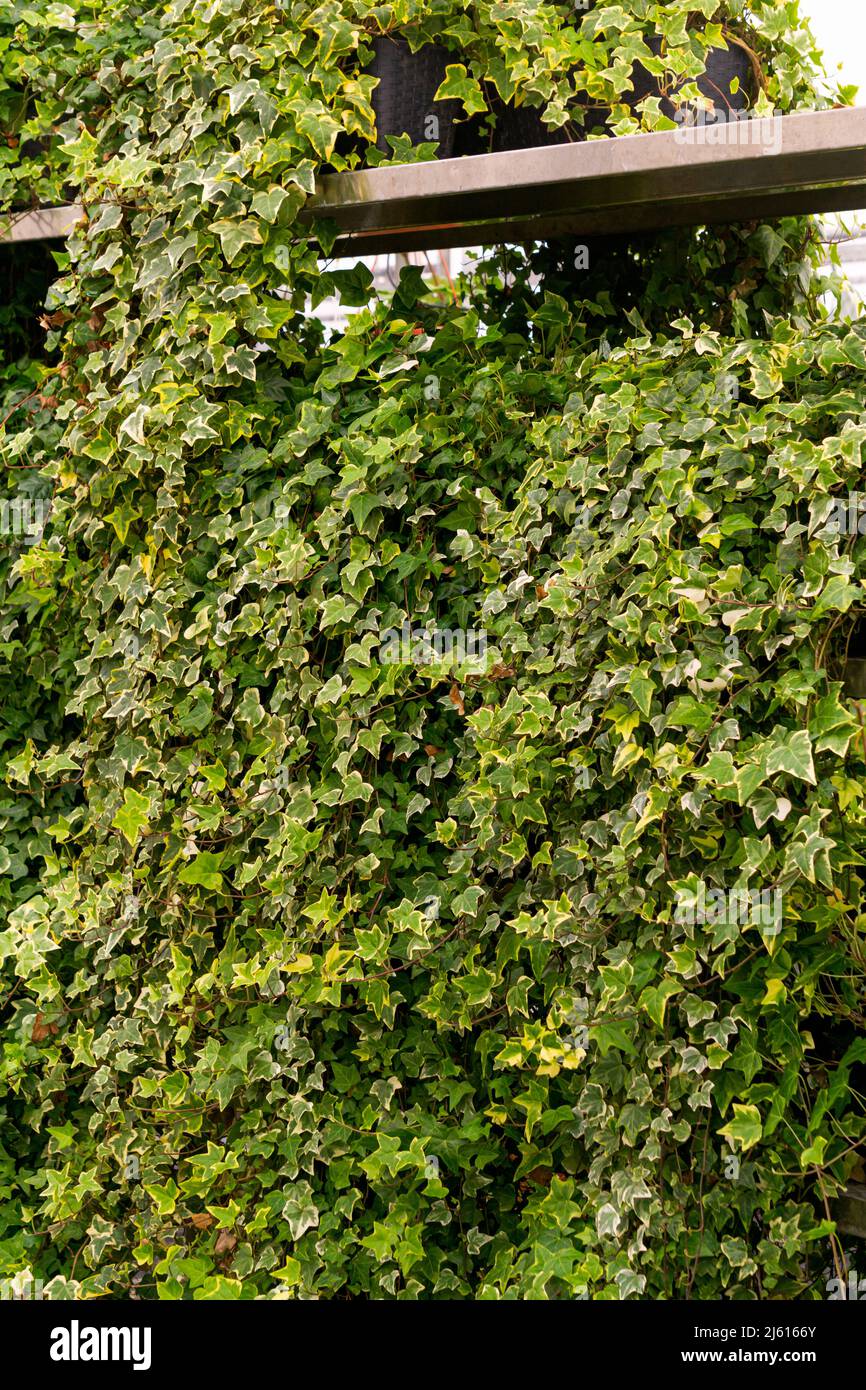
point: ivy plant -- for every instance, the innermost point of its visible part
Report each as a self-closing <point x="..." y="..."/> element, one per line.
<point x="327" y="974"/>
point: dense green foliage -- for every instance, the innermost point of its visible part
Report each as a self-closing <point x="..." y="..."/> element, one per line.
<point x="324" y="976"/>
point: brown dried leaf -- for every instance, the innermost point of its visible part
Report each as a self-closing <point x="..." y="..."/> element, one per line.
<point x="457" y="699"/>
<point x="541" y="1176"/>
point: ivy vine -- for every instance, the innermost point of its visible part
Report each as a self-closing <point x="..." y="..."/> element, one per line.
<point x="326" y="975"/>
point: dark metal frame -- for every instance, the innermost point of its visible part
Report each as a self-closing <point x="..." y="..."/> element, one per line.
<point x="630" y="184"/>
<point x="608" y="187"/>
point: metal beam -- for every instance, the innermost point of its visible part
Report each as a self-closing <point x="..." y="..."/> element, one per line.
<point x="849" y="1211"/>
<point x="811" y="162"/>
<point x="42" y="225"/>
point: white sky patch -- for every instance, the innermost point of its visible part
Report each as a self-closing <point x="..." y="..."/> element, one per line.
<point x="840" y="28"/>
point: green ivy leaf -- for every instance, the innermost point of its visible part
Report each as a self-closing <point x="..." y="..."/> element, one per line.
<point x="134" y="815"/>
<point x="204" y="870"/>
<point x="791" y="753"/>
<point x="745" y="1129"/>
